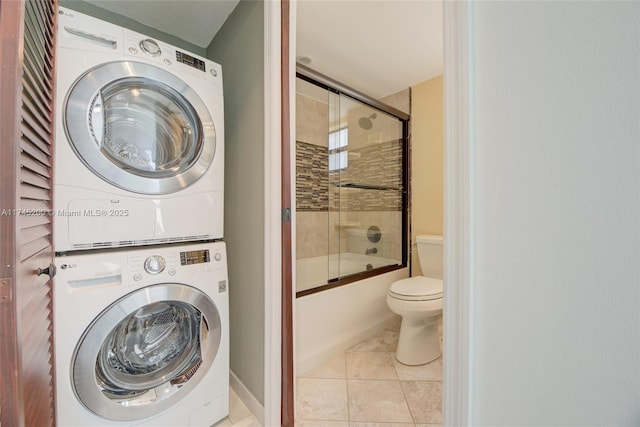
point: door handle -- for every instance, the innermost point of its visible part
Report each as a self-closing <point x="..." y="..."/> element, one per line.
<point x="49" y="271"/>
<point x="93" y="37"/>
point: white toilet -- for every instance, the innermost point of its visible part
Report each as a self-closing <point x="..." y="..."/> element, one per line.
<point x="419" y="301"/>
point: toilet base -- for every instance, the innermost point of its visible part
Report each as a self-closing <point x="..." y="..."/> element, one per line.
<point x="419" y="341"/>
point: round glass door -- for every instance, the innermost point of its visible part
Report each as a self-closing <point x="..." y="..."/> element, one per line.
<point x="145" y="127"/>
<point x="139" y="127"/>
<point x="146" y="351"/>
<point x="156" y="342"/>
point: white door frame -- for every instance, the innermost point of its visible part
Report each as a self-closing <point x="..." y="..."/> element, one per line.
<point x="272" y="205"/>
<point x="458" y="214"/>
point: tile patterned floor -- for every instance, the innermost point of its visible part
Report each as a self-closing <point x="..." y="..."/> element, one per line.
<point x="368" y="387"/>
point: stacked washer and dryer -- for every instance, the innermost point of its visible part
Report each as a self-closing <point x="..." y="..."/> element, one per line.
<point x="140" y="297"/>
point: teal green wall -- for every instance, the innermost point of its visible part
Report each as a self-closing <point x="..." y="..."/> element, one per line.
<point x="239" y="47"/>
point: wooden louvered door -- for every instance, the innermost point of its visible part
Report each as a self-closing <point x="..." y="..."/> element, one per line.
<point x="26" y="137"/>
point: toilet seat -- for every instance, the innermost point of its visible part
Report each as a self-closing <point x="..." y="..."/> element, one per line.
<point x="417" y="288"/>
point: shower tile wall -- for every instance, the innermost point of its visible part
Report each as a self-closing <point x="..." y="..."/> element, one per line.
<point x="312" y="164"/>
<point x="370" y="161"/>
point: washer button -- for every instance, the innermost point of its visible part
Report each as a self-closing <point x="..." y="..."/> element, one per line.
<point x="137" y="277"/>
<point x="133" y="50"/>
<point x="217" y="256"/>
<point x="172" y="272"/>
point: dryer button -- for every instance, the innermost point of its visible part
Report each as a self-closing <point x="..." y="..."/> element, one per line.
<point x="137" y="277"/>
<point x="172" y="272"/>
<point x="217" y="256"/>
<point x="155" y="264"/>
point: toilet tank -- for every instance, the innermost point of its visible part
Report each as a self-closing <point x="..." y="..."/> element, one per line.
<point x="430" y="255"/>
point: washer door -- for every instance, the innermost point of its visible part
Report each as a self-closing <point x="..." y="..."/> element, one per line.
<point x="139" y="127"/>
<point x="146" y="351"/>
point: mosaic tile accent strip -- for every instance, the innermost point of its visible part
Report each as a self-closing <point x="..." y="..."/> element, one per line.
<point x="312" y="177"/>
<point x="377" y="165"/>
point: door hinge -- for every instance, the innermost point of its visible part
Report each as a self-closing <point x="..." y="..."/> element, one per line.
<point x="286" y="215"/>
<point x="5" y="291"/>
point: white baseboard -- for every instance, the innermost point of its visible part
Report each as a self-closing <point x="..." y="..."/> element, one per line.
<point x="247" y="397"/>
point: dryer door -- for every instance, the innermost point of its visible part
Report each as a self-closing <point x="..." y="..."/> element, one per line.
<point x="139" y="127"/>
<point x="146" y="351"/>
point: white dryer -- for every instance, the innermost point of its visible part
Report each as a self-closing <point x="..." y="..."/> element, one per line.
<point x="142" y="336"/>
<point x="139" y="125"/>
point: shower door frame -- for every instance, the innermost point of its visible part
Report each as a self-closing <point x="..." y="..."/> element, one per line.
<point x="314" y="77"/>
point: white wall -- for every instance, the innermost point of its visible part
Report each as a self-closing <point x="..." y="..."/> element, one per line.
<point x="556" y="213"/>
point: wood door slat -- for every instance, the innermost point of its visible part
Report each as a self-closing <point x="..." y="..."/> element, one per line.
<point x="31" y="178"/>
<point x="30" y="192"/>
<point x="34" y="165"/>
<point x="40" y="124"/>
<point x="35" y="152"/>
<point x="33" y="248"/>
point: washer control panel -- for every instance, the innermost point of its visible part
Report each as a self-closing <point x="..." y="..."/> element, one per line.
<point x="167" y="263"/>
<point x="195" y="257"/>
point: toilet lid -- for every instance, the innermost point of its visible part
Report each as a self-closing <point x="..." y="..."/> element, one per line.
<point x="419" y="287"/>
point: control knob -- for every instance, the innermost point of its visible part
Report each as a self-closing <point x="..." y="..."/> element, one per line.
<point x="155" y="264"/>
<point x="150" y="47"/>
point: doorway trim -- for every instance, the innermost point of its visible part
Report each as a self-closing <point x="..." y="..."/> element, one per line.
<point x="458" y="224"/>
<point x="458" y="213"/>
<point x="272" y="217"/>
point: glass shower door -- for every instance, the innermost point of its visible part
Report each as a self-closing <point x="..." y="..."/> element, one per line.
<point x="351" y="212"/>
<point x="337" y="139"/>
<point x="366" y="187"/>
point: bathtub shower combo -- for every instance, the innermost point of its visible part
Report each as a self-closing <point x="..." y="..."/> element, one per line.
<point x="351" y="185"/>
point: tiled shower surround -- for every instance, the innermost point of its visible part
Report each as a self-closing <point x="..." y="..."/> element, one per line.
<point x="332" y="217"/>
<point x="326" y="211"/>
<point x="312" y="178"/>
<point x="380" y="165"/>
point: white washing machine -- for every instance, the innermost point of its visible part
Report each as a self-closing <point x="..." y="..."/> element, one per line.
<point x="141" y="336"/>
<point x="139" y="125"/>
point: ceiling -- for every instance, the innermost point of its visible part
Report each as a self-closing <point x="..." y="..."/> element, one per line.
<point x="378" y="47"/>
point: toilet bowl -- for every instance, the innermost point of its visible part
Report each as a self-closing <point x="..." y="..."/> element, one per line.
<point x="418" y="300"/>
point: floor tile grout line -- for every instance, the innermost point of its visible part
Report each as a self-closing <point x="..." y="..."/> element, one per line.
<point x="407" y="402"/>
<point x="348" y="402"/>
<point x="346" y="380"/>
<point x="404" y="395"/>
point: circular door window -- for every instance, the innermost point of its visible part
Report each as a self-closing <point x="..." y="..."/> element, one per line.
<point x="139" y="127"/>
<point x="146" y="351"/>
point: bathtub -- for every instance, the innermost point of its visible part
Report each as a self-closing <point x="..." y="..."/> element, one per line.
<point x="331" y="321"/>
<point x="316" y="271"/>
